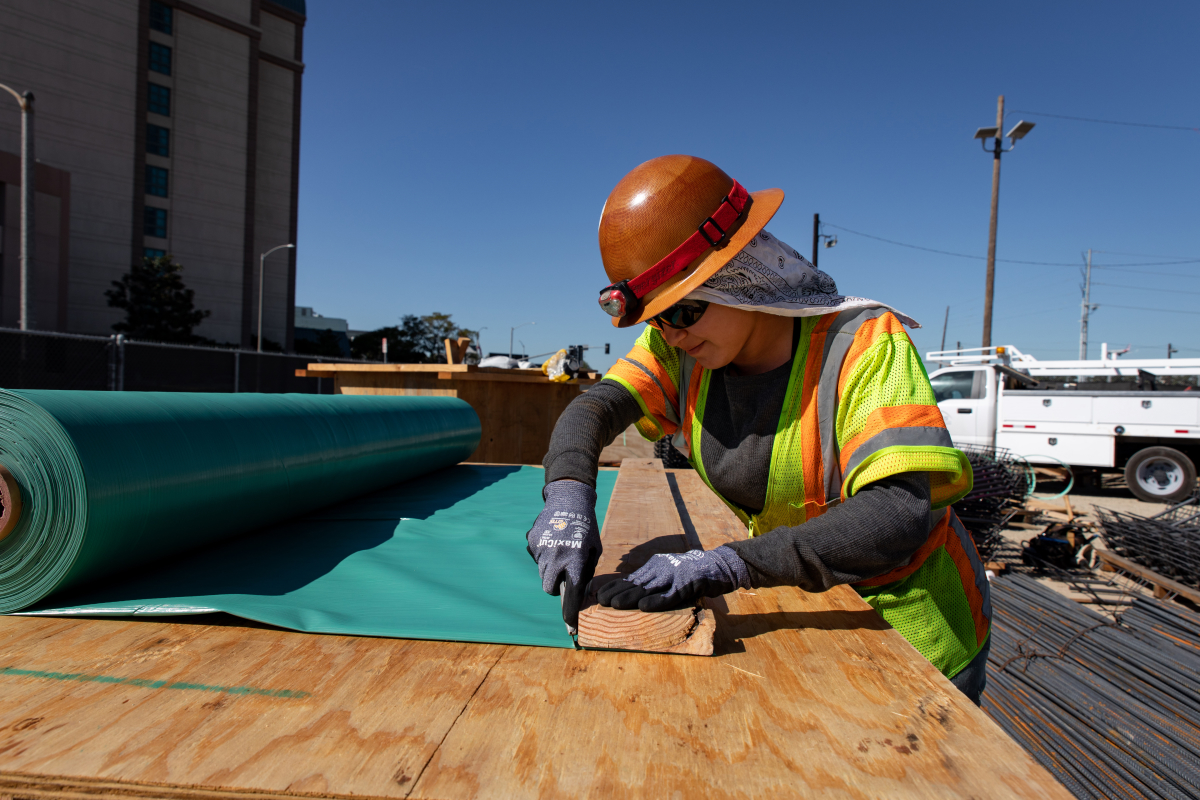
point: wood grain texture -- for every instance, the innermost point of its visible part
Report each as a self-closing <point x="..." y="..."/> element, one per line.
<point x="642" y="520"/>
<point x="517" y="412"/>
<point x="807" y="696"/>
<point x="375" y="710"/>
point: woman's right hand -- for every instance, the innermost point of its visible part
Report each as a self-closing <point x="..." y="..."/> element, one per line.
<point x="565" y="543"/>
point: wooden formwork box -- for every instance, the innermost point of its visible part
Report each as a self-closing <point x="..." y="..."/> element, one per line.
<point x="517" y="408"/>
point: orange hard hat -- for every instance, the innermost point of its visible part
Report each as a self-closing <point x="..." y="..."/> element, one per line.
<point x="667" y="227"/>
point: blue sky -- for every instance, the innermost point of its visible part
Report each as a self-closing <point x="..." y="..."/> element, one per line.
<point x="455" y="156"/>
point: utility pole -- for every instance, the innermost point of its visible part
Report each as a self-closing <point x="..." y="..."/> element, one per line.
<point x="816" y="236"/>
<point x="991" y="254"/>
<point x="28" y="187"/>
<point x="945" y="322"/>
<point x="1171" y="349"/>
<point x="1087" y="308"/>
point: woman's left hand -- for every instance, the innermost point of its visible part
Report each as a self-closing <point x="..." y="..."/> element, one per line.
<point x="673" y="580"/>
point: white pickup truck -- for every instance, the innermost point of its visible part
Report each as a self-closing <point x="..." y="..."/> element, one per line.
<point x="1072" y="412"/>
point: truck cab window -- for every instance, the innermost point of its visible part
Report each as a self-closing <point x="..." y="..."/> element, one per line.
<point x="953" y="385"/>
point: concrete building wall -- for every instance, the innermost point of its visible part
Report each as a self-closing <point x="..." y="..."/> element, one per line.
<point x="273" y="193"/>
<point x="79" y="58"/>
<point x="234" y="128"/>
<point x="207" y="203"/>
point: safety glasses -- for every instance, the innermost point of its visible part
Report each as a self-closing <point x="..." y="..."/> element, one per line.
<point x="683" y="314"/>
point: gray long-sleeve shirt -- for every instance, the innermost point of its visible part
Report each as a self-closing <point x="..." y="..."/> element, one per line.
<point x="871" y="533"/>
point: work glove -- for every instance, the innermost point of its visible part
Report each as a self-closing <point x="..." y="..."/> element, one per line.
<point x="674" y="580"/>
<point x="565" y="543"/>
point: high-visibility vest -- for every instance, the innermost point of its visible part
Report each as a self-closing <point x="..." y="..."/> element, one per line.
<point x="858" y="408"/>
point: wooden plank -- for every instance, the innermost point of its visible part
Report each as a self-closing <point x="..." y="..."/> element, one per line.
<point x="361" y="716"/>
<point x="808" y="695"/>
<point x="1162" y="584"/>
<point x="642" y="520"/>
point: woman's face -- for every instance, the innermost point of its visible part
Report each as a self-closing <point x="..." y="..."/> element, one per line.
<point x="717" y="338"/>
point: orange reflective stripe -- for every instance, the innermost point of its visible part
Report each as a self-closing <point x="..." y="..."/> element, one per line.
<point x="868" y="333"/>
<point x="646" y="359"/>
<point x="689" y="413"/>
<point x="810" y="423"/>
<point x="966" y="573"/>
<point x="647" y="390"/>
<point x="938" y="537"/>
<point x="908" y="416"/>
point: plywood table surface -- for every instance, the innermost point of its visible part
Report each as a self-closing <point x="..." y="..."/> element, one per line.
<point x="806" y="696"/>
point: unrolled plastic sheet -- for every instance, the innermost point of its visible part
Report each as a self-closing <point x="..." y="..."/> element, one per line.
<point x="437" y="557"/>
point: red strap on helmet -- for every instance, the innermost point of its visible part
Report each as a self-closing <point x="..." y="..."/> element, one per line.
<point x="709" y="234"/>
<point x="621" y="298"/>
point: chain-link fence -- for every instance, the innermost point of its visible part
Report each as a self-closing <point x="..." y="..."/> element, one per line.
<point x="45" y="360"/>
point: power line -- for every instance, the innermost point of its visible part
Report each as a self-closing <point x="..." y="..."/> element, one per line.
<point x="1010" y="260"/>
<point x="1159" y="310"/>
<point x="1108" y="121"/>
<point x="1142" y="288"/>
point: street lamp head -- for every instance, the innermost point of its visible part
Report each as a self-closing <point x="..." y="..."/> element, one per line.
<point x="831" y="242"/>
<point x="986" y="133"/>
<point x="1020" y="130"/>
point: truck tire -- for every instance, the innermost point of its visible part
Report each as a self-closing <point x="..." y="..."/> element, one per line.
<point x="1160" y="475"/>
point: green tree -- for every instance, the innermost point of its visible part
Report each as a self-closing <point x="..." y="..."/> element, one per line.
<point x="417" y="340"/>
<point x="158" y="306"/>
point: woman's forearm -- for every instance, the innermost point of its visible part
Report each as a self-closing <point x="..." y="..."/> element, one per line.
<point x="589" y="424"/>
<point x="873" y="532"/>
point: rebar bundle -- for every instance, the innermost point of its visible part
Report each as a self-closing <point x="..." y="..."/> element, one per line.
<point x="1000" y="487"/>
<point x="1111" y="709"/>
<point x="1168" y="543"/>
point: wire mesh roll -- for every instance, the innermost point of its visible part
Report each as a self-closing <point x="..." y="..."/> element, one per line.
<point x="109" y="481"/>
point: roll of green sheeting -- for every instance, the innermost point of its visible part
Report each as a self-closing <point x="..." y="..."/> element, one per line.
<point x="112" y="480"/>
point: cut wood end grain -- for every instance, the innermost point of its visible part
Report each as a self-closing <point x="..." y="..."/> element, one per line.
<point x="684" y="631"/>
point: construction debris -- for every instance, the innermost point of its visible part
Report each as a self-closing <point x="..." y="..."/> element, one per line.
<point x="1168" y="543"/>
<point x="1000" y="487"/>
<point x="1111" y="708"/>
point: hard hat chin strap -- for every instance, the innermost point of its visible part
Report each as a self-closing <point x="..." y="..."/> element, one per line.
<point x="624" y="297"/>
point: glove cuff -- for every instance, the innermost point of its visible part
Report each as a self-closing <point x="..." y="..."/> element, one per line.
<point x="735" y="564"/>
<point x="569" y="492"/>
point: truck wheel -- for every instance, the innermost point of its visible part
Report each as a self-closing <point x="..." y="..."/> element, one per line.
<point x="1160" y="475"/>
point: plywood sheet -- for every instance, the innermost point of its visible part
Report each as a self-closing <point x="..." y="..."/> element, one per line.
<point x="807" y="696"/>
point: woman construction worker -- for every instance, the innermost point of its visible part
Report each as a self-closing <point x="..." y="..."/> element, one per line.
<point x="808" y="412"/>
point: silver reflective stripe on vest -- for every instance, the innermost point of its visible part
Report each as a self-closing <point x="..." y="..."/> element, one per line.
<point x="981" y="582"/>
<point x="670" y="412"/>
<point x="917" y="436"/>
<point x="838" y="339"/>
<point x="686" y="365"/>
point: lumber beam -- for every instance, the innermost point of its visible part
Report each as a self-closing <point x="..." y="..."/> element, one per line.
<point x="1163" y="586"/>
<point x="641" y="521"/>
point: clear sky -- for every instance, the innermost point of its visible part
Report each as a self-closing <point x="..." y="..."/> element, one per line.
<point x="455" y="156"/>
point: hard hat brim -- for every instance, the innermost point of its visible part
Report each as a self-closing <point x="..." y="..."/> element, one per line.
<point x="762" y="208"/>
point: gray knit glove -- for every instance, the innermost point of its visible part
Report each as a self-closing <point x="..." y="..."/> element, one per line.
<point x="674" y="580"/>
<point x="565" y="543"/>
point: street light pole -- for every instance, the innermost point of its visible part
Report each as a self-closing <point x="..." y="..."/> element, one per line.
<point x="28" y="187"/>
<point x="262" y="263"/>
<point x="510" y="336"/>
<point x="998" y="148"/>
<point x="1019" y="131"/>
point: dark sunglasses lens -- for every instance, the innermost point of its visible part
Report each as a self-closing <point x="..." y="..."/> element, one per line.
<point x="683" y="315"/>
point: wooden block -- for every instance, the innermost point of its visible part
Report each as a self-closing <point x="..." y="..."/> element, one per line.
<point x="642" y="521"/>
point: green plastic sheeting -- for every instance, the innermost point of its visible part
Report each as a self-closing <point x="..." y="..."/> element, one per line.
<point x="112" y="481"/>
<point x="437" y="557"/>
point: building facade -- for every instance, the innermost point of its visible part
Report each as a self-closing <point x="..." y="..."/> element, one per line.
<point x="161" y="126"/>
